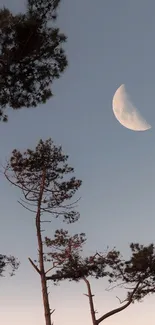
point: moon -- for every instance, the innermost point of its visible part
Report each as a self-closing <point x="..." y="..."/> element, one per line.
<point x="126" y="113"/>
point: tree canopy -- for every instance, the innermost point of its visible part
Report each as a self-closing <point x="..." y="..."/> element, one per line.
<point x="8" y="261"/>
<point x="135" y="275"/>
<point x="26" y="170"/>
<point x="31" y="55"/>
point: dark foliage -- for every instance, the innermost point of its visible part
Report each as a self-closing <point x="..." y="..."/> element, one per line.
<point x="138" y="270"/>
<point x="64" y="254"/>
<point x="31" y="55"/>
<point x="44" y="9"/>
<point x="8" y="261"/>
<point x="25" y="170"/>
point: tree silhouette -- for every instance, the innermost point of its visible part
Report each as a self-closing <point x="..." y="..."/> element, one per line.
<point x="31" y="55"/>
<point x="8" y="261"/>
<point x="136" y="275"/>
<point x="44" y="178"/>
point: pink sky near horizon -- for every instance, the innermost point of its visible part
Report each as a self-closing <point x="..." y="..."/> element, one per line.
<point x="73" y="310"/>
<point x="70" y="304"/>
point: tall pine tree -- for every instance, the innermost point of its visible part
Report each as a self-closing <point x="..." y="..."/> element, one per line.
<point x="47" y="184"/>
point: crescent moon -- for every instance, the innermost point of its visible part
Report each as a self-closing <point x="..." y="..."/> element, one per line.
<point x="126" y="113"/>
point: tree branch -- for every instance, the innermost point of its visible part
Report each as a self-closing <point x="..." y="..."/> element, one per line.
<point x="51" y="268"/>
<point x="117" y="310"/>
<point x="35" y="267"/>
<point x="24" y="206"/>
<point x="23" y="188"/>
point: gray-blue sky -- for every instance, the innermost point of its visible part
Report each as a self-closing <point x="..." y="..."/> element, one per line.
<point x="109" y="43"/>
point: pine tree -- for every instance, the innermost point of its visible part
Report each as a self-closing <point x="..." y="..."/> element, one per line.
<point x="136" y="275"/>
<point x="44" y="179"/>
<point x="31" y="55"/>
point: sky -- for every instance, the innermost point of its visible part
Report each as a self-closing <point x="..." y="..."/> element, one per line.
<point x="109" y="43"/>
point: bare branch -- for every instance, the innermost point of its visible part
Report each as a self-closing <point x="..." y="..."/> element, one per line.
<point x="121" y="301"/>
<point x="46" y="221"/>
<point x="31" y="204"/>
<point x="51" y="211"/>
<point x="69" y="206"/>
<point x="24" y="206"/>
<point x="52" y="311"/>
<point x="19" y="186"/>
<point x="110" y="288"/>
<point x="35" y="267"/>
<point x="117" y="310"/>
<point x="51" y="268"/>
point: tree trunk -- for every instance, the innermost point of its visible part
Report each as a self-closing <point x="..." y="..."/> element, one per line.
<point x="47" y="311"/>
<point x="90" y="296"/>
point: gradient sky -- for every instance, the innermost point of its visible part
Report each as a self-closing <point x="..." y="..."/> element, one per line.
<point x="110" y="42"/>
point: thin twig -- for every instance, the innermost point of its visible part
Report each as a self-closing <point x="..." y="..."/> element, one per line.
<point x="26" y="207"/>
